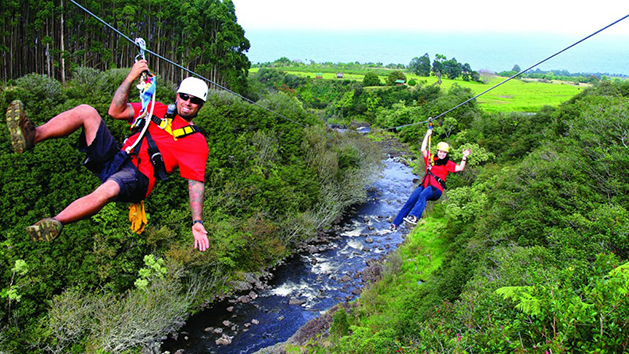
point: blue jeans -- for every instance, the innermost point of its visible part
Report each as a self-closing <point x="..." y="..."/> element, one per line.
<point x="416" y="203"/>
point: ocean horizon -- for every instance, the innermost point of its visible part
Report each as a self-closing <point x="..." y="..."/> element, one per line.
<point x="604" y="54"/>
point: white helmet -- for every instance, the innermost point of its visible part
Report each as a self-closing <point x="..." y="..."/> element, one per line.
<point x="195" y="87"/>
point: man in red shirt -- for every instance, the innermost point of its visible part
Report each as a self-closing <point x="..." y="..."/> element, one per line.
<point x="432" y="184"/>
<point x="126" y="175"/>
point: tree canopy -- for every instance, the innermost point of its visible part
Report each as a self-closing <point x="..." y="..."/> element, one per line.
<point x="53" y="38"/>
<point x="371" y="79"/>
<point x="420" y="65"/>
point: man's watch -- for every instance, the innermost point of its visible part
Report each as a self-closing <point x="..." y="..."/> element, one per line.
<point x="197" y="221"/>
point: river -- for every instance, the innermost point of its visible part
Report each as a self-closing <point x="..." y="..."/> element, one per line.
<point x="314" y="281"/>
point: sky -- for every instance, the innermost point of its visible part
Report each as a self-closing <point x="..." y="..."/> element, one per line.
<point x="567" y="17"/>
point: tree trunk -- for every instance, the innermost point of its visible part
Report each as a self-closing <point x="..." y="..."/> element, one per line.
<point x="62" y="43"/>
<point x="438" y="82"/>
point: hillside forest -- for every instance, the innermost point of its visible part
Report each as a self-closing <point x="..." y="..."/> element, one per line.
<point x="527" y="251"/>
<point x="528" y="248"/>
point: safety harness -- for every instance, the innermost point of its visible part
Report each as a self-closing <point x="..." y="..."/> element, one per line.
<point x="137" y="214"/>
<point x="140" y="125"/>
<point x="431" y="163"/>
<point x="165" y="124"/>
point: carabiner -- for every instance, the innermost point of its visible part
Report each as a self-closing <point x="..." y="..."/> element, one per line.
<point x="142" y="45"/>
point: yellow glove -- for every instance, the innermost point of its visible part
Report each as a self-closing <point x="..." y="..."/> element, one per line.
<point x="137" y="216"/>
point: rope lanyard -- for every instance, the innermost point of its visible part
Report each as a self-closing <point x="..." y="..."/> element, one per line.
<point x="431" y="157"/>
<point x="147" y="87"/>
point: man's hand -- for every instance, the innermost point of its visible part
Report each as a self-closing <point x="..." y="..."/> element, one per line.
<point x="467" y="152"/>
<point x="201" y="241"/>
<point x="138" y="68"/>
<point x="120" y="107"/>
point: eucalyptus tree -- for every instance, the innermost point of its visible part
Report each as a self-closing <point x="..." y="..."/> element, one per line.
<point x="437" y="67"/>
<point x="420" y="65"/>
<point x="53" y="37"/>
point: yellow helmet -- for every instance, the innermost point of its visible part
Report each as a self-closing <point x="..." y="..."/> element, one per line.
<point x="443" y="146"/>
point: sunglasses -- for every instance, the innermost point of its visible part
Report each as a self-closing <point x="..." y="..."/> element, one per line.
<point x="195" y="100"/>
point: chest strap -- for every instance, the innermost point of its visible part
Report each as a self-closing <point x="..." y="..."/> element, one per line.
<point x="166" y="125"/>
<point x="159" y="168"/>
<point x="429" y="174"/>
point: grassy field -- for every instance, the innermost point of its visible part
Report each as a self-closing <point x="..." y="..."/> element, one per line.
<point x="513" y="96"/>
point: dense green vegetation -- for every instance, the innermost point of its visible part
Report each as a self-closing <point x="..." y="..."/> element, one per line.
<point x="526" y="250"/>
<point x="53" y="38"/>
<point x="344" y="101"/>
<point x="99" y="288"/>
<point x="563" y="75"/>
<point x="526" y="95"/>
<point x="420" y="66"/>
<point x="533" y="244"/>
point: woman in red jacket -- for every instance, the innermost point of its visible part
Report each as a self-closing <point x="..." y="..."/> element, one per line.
<point x="432" y="184"/>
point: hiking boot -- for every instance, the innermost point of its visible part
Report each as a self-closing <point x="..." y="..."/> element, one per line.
<point x="21" y="129"/>
<point x="411" y="219"/>
<point x="45" y="230"/>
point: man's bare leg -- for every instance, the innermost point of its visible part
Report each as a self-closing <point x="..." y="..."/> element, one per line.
<point x="48" y="229"/>
<point x="24" y="135"/>
<point x="65" y="123"/>
<point x="90" y="204"/>
<point x="62" y="125"/>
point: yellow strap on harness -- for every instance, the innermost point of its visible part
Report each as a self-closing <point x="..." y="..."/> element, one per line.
<point x="137" y="216"/>
<point x="166" y="125"/>
<point x="187" y="130"/>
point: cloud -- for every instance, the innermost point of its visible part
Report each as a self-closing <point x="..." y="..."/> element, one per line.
<point x="448" y="16"/>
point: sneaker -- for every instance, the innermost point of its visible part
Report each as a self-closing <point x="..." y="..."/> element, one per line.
<point x="411" y="219"/>
<point x="393" y="227"/>
<point x="45" y="230"/>
<point x="21" y="129"/>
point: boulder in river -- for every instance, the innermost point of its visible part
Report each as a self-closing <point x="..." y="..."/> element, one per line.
<point x="245" y="299"/>
<point x="224" y="340"/>
<point x="296" y="301"/>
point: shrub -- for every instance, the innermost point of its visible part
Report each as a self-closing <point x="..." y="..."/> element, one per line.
<point x="394" y="76"/>
<point x="371" y="79"/>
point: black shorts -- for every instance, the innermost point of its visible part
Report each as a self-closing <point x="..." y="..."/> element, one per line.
<point x="107" y="161"/>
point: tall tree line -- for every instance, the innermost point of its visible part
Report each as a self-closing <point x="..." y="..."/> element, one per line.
<point x="52" y="37"/>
